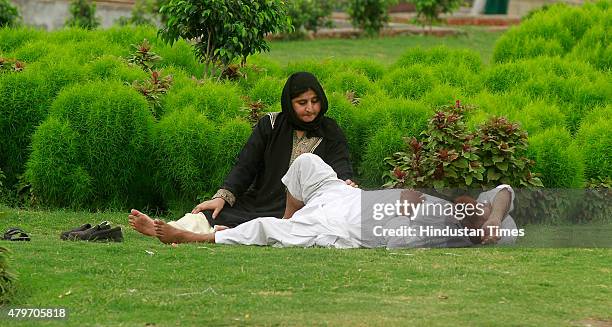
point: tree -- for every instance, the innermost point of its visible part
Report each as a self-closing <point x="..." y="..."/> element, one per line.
<point x="428" y="11"/>
<point x="83" y="14"/>
<point x="369" y="15"/>
<point x="9" y="14"/>
<point x="224" y="31"/>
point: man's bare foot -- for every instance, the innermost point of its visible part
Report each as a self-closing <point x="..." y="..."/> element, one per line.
<point x="142" y="223"/>
<point x="168" y="234"/>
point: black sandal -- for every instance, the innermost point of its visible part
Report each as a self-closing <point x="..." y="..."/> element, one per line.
<point x="16" y="234"/>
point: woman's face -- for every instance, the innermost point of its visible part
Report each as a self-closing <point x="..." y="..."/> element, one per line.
<point x="307" y="106"/>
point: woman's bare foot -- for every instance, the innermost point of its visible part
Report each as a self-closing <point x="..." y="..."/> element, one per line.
<point x="168" y="234"/>
<point x="142" y="223"/>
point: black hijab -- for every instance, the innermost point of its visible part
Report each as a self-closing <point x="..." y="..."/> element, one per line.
<point x="297" y="84"/>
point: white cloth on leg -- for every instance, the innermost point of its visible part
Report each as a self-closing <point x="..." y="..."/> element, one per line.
<point x="195" y="223"/>
<point x="330" y="216"/>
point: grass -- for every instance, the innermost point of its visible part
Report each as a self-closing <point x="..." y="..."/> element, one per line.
<point x="121" y="284"/>
<point x="386" y="49"/>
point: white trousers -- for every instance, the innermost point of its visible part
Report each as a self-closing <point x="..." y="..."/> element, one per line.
<point x="323" y="221"/>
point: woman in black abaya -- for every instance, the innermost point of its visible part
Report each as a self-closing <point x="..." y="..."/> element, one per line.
<point x="253" y="188"/>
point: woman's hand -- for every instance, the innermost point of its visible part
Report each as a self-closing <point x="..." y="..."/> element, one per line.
<point x="351" y="183"/>
<point x="216" y="205"/>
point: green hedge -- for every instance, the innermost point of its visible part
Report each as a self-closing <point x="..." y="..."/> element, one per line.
<point x="99" y="146"/>
<point x="559" y="31"/>
<point x="110" y="125"/>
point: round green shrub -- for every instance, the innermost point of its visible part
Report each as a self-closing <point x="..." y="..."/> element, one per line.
<point x="267" y="89"/>
<point x="343" y="112"/>
<point x="442" y="94"/>
<point x="539" y="116"/>
<point x="411" y="82"/>
<point x="442" y="55"/>
<point x="114" y="125"/>
<point x="372" y="69"/>
<point x="34" y="50"/>
<point x="349" y="81"/>
<point x="594" y="48"/>
<point x="114" y="68"/>
<point x="25" y="99"/>
<point x="218" y="101"/>
<point x="557" y="159"/>
<point x="386" y="141"/>
<point x="125" y="36"/>
<point x="232" y="137"/>
<point x="595" y="142"/>
<point x="71" y="34"/>
<point x="180" y="78"/>
<point x="180" y="55"/>
<point x="322" y="69"/>
<point x="13" y="38"/>
<point x="53" y="170"/>
<point x="185" y="143"/>
<point x="505" y="77"/>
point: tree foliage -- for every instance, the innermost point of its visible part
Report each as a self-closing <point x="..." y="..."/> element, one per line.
<point x="224" y="31"/>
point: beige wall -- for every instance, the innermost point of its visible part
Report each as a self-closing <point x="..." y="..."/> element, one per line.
<point x="51" y="14"/>
<point x="521" y="7"/>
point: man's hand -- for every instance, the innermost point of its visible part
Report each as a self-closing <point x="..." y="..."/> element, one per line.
<point x="216" y="205"/>
<point x="351" y="183"/>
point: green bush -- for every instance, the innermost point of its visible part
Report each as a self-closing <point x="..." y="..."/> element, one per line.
<point x="372" y="69"/>
<point x="9" y="14"/>
<point x="113" y="124"/>
<point x="25" y="99"/>
<point x="442" y="94"/>
<point x="232" y="137"/>
<point x="322" y="69"/>
<point x="180" y="55"/>
<point x="185" y="143"/>
<point x="267" y="90"/>
<point x="110" y="67"/>
<point x="441" y="55"/>
<point x="218" y="101"/>
<point x="345" y="114"/>
<point x="125" y="36"/>
<point x="349" y="81"/>
<point x="557" y="159"/>
<point x="386" y="140"/>
<point x="505" y="77"/>
<point x="539" y="116"/>
<point x="13" y="38"/>
<point x="554" y="32"/>
<point x="412" y="82"/>
<point x="595" y="142"/>
<point x="594" y="48"/>
<point x="35" y="50"/>
<point x="53" y="168"/>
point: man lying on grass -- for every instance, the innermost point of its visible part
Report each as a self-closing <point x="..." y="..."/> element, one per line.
<point x="323" y="210"/>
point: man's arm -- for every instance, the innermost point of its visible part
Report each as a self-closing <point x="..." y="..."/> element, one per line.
<point x="499" y="211"/>
<point x="292" y="206"/>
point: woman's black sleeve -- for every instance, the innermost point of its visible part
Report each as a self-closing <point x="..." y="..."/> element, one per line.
<point x="249" y="160"/>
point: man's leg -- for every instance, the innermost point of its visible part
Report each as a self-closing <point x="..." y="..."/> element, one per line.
<point x="141" y="223"/>
<point x="263" y="231"/>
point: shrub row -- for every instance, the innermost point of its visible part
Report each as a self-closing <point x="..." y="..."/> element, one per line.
<point x="97" y="144"/>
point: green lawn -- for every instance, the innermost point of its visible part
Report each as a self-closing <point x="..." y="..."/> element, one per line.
<point x="121" y="284"/>
<point x="386" y="49"/>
